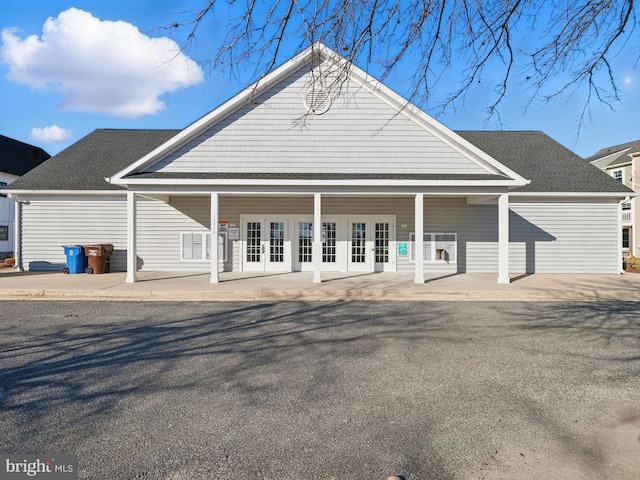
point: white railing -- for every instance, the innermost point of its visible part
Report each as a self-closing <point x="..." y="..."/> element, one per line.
<point x="626" y="216"/>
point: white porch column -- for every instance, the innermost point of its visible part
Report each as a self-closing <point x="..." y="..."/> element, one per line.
<point x="503" y="238"/>
<point x="17" y="234"/>
<point x="419" y="238"/>
<point x="132" y="254"/>
<point x="316" y="246"/>
<point x="214" y="238"/>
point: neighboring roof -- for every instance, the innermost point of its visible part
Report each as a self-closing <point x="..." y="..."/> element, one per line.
<point x="85" y="164"/>
<point x="550" y="166"/>
<point x="18" y="158"/>
<point x="534" y="155"/>
<point x="618" y="153"/>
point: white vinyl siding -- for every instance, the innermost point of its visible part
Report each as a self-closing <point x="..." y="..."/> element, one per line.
<point x="564" y="237"/>
<point x="359" y="133"/>
<point x="475" y="227"/>
<point x="546" y="236"/>
<point x="160" y="226"/>
<point x="48" y="225"/>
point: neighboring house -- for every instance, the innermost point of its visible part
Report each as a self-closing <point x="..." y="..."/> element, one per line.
<point x="623" y="164"/>
<point x="261" y="171"/>
<point x="16" y="159"/>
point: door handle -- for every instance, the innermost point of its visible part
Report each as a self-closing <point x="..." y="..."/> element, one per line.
<point x="262" y="248"/>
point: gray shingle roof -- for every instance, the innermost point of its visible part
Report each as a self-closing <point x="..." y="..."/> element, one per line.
<point x="622" y="150"/>
<point x="85" y="164"/>
<point x="537" y="157"/>
<point x="550" y="166"/>
<point x="17" y="158"/>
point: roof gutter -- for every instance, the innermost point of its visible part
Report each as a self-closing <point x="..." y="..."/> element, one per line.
<point x="12" y="193"/>
<point x="574" y="194"/>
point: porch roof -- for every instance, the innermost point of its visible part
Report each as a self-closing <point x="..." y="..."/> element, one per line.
<point x="84" y="165"/>
<point x="550" y="166"/>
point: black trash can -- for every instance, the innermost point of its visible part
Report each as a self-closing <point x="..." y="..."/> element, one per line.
<point x="98" y="257"/>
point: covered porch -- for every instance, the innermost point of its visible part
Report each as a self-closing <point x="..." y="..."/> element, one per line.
<point x="373" y="231"/>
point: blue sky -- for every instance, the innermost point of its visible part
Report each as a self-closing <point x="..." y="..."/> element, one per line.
<point x="53" y="49"/>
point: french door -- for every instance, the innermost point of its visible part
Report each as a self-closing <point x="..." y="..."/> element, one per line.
<point x="371" y="243"/>
<point x="267" y="246"/>
<point x="349" y="244"/>
<point x="304" y="253"/>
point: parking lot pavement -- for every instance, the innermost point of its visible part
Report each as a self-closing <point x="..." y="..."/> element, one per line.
<point x="321" y="390"/>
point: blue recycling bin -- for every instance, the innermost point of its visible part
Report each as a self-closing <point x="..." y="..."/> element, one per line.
<point x="76" y="259"/>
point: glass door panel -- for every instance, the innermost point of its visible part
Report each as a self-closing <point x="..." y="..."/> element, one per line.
<point x="358" y="259"/>
<point x="382" y="237"/>
<point x="276" y="242"/>
<point x="358" y="242"/>
<point x="254" y="241"/>
<point x="329" y="242"/>
<point x="305" y="242"/>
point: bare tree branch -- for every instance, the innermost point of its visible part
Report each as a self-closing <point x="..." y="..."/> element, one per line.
<point x="555" y="48"/>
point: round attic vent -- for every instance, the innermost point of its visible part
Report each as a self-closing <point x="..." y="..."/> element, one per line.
<point x="317" y="101"/>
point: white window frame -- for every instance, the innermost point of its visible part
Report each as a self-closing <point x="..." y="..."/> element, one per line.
<point x="431" y="256"/>
<point x="205" y="241"/>
<point x="621" y="172"/>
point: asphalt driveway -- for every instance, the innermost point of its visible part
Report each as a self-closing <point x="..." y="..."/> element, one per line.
<point x="321" y="390"/>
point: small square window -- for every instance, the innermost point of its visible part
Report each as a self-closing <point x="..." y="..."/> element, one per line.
<point x="4" y="233"/>
<point x="618" y="175"/>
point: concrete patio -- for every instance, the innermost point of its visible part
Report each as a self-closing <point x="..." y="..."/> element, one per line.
<point x="299" y="286"/>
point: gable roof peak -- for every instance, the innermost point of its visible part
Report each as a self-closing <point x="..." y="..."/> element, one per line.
<point x="339" y="71"/>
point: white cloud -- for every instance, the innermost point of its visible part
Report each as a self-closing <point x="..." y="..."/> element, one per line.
<point x="51" y="134"/>
<point x="99" y="66"/>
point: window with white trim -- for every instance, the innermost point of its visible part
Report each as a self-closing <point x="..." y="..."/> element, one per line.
<point x="437" y="247"/>
<point x="196" y="246"/>
<point x="618" y="174"/>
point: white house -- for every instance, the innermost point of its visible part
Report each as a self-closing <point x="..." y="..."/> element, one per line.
<point x="311" y="170"/>
<point x="16" y="159"/>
